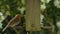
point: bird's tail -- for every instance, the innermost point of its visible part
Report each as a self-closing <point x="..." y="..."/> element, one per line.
<point x="5" y="28"/>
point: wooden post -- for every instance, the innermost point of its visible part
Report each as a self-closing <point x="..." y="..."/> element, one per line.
<point x="33" y="15"/>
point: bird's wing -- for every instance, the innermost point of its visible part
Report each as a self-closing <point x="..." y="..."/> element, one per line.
<point x="13" y="21"/>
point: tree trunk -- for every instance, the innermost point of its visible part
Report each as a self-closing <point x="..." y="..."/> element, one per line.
<point x="33" y="15"/>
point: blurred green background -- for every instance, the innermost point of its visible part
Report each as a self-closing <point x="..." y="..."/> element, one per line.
<point x="49" y="8"/>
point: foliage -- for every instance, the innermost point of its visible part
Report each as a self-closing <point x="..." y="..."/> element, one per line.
<point x="9" y="8"/>
<point x="51" y="14"/>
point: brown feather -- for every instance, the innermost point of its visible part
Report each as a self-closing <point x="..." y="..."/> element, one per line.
<point x="13" y="22"/>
